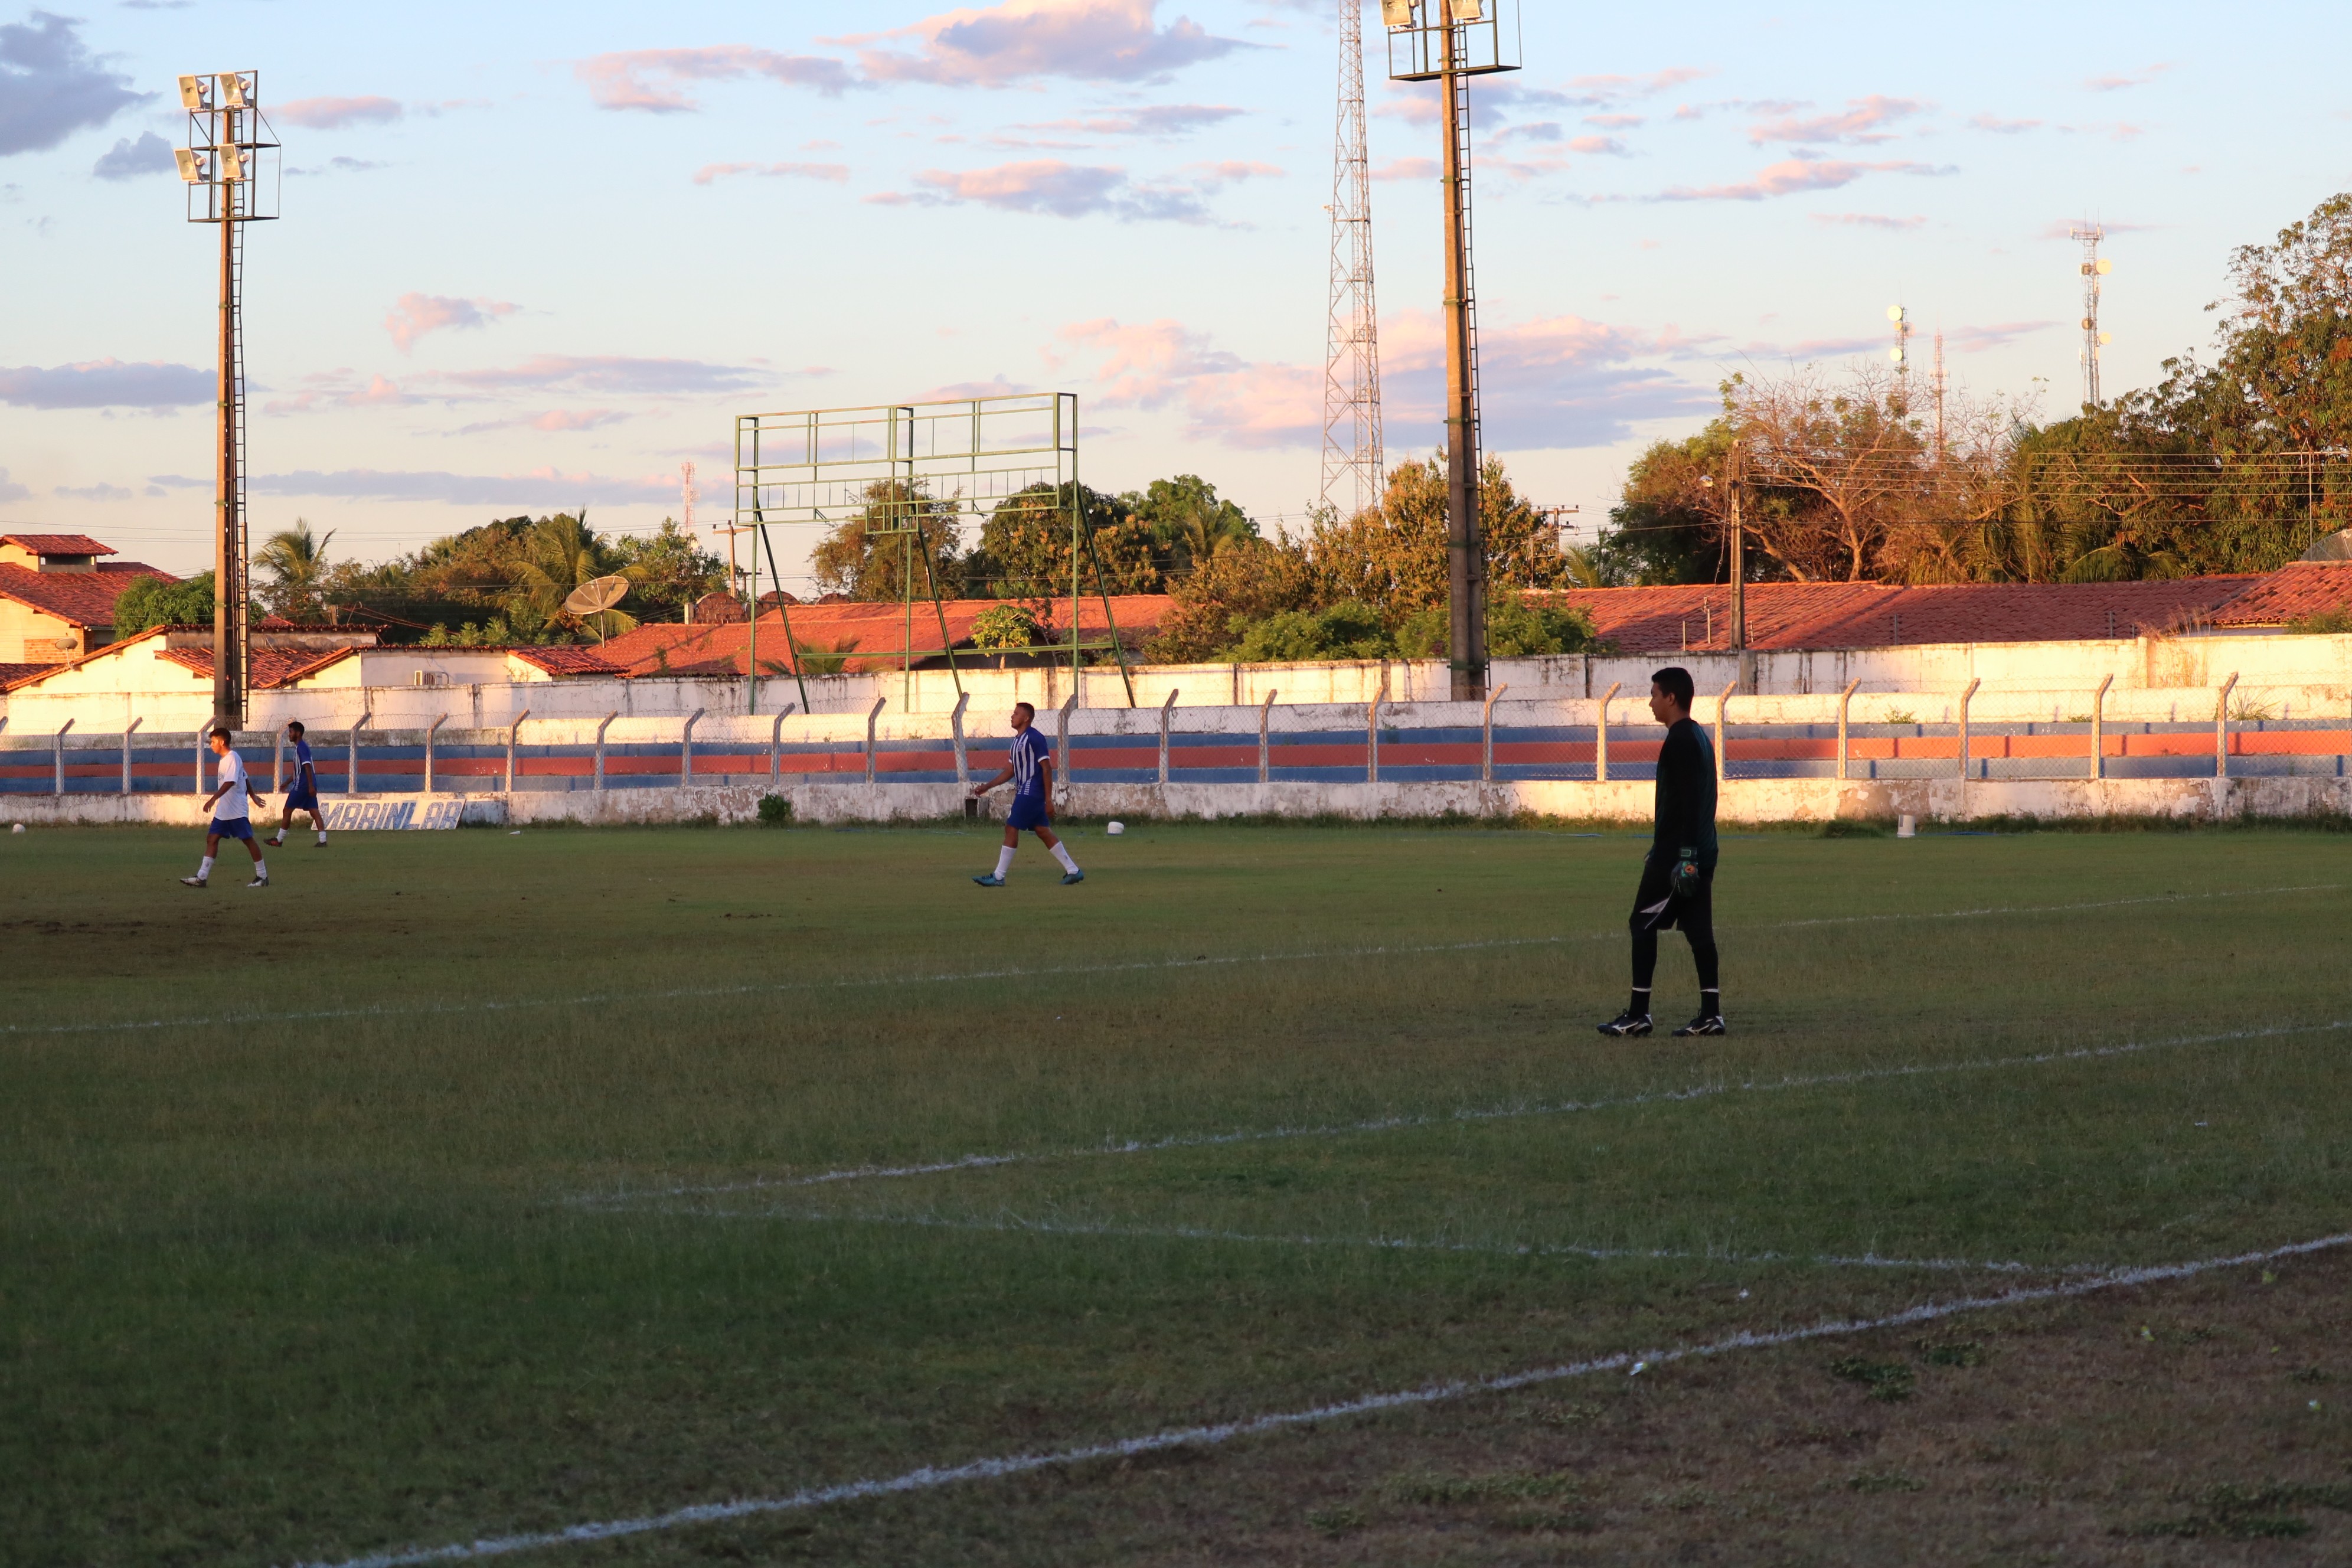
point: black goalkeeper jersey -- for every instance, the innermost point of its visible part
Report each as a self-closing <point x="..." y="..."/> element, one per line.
<point x="1686" y="796"/>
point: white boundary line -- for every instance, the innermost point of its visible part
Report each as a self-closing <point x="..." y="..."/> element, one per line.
<point x="1467" y="1113"/>
<point x="930" y="1477"/>
<point x="1015" y="1223"/>
<point x="611" y="998"/>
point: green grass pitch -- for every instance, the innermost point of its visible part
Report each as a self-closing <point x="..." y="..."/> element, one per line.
<point x="455" y="1187"/>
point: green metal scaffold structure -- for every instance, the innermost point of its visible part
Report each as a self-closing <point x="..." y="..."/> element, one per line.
<point x="910" y="471"/>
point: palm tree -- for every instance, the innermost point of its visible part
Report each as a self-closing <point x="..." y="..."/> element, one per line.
<point x="295" y="560"/>
<point x="559" y="554"/>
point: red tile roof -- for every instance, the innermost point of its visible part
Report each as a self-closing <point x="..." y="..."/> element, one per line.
<point x="567" y="661"/>
<point x="78" y="598"/>
<point x="1872" y="614"/>
<point x="877" y="629"/>
<point x="267" y="666"/>
<point x="12" y="673"/>
<point x="58" y="544"/>
<point x="2290" y="593"/>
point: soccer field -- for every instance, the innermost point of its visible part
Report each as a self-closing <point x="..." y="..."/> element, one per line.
<point x="469" y="1187"/>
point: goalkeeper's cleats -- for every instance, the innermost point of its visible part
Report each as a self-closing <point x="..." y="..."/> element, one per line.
<point x="989" y="879"/>
<point x="1070" y="877"/>
<point x="1705" y="1024"/>
<point x="1627" y="1024"/>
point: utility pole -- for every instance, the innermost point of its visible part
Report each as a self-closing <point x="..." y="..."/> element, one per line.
<point x="2094" y="267"/>
<point x="1354" y="466"/>
<point x="221" y="167"/>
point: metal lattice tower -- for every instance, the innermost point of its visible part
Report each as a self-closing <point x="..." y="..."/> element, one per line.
<point x="2094" y="340"/>
<point x="1354" y="466"/>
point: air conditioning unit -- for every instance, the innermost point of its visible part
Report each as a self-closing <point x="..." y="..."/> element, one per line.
<point x="431" y="678"/>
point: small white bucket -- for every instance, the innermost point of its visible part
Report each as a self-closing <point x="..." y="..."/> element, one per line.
<point x="1906" y="826"/>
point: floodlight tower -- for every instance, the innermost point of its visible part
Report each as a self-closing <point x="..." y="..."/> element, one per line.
<point x="1353" y="462"/>
<point x="2094" y="267"/>
<point x="1448" y="42"/>
<point x="231" y="180"/>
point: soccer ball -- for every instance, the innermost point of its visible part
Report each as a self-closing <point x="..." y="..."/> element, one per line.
<point x="18" y="828"/>
<point x="1114" y="828"/>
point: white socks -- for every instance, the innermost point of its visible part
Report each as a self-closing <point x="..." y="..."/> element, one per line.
<point x="1062" y="853"/>
<point x="261" y="868"/>
<point x="1004" y="861"/>
<point x="205" y="869"/>
<point x="322" y="836"/>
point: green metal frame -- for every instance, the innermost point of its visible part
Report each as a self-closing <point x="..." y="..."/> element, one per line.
<point x="814" y="469"/>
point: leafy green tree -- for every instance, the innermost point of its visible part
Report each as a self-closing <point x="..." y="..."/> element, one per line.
<point x="1348" y="630"/>
<point x="1188" y="522"/>
<point x="559" y="555"/>
<point x="151" y="602"/>
<point x="295" y="560"/>
<point x="1239" y="584"/>
<point x="1004" y="627"/>
<point x="865" y="557"/>
<point x="1394" y="556"/>
<point x="1024" y="546"/>
<point x="667" y="572"/>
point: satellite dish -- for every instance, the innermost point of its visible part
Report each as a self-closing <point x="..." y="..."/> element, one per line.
<point x="1893" y="312"/>
<point x="597" y="594"/>
<point x="2105" y="266"/>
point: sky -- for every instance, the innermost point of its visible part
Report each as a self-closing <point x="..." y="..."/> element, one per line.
<point x="533" y="259"/>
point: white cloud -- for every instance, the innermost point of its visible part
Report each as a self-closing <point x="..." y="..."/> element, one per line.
<point x="414" y="315"/>
<point x="151" y="154"/>
<point x="52" y="86"/>
<point x="107" y="384"/>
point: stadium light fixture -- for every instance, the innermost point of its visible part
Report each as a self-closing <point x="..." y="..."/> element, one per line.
<point x="194" y="92"/>
<point x="192" y="166"/>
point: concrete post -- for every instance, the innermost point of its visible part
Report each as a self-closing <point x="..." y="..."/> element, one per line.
<point x="277" y="762"/>
<point x="1845" y="700"/>
<point x="2221" y="728"/>
<point x="57" y="754"/>
<point x="1372" y="730"/>
<point x="1601" y="734"/>
<point x="1069" y="764"/>
<point x="2099" y="728"/>
<point x="201" y="733"/>
<point x="514" y="733"/>
<point x="1165" y="709"/>
<point x="351" y="778"/>
<point x="776" y="744"/>
<point x="1967" y="697"/>
<point x="430" y="731"/>
<point x="600" y="750"/>
<point x="1265" y="740"/>
<point x="1486" y="727"/>
<point x="128" y="730"/>
<point x="1722" y="758"/>
<point x="964" y="758"/>
<point x="686" y="749"/>
<point x="873" y="715"/>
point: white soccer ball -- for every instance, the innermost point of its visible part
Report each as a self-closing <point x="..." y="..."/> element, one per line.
<point x="1114" y="828"/>
<point x="18" y="828"/>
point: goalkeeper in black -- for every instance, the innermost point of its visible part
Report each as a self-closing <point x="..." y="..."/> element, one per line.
<point x="1678" y="874"/>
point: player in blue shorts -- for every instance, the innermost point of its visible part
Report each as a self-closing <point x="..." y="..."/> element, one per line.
<point x="304" y="795"/>
<point x="1030" y="766"/>
<point x="231" y="814"/>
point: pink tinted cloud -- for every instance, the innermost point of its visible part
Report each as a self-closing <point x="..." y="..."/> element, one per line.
<point x="1792" y="176"/>
<point x="1865" y="119"/>
<point x="576" y="419"/>
<point x="1407" y="169"/>
<point x="2122" y="79"/>
<point x="1600" y="146"/>
<point x="1151" y="120"/>
<point x="1868" y="220"/>
<point x="2000" y="127"/>
<point x="1051" y="187"/>
<point x="1615" y="121"/>
<point x="1024" y="40"/>
<point x="338" y="389"/>
<point x="2000" y="334"/>
<point x="606" y="374"/>
<point x="654" y="80"/>
<point x="837" y="172"/>
<point x="329" y="114"/>
<point x="414" y="315"/>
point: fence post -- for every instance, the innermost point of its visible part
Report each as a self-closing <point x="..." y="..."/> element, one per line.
<point x="2099" y="728"/>
<point x="514" y="733"/>
<point x="1722" y="757"/>
<point x="1487" y="727"/>
<point x="2221" y="728"/>
<point x="58" y="752"/>
<point x="1845" y="699"/>
<point x="1265" y="752"/>
<point x="1601" y="734"/>
<point x="1967" y="697"/>
<point x="128" y="730"/>
<point x="873" y="714"/>
<point x="963" y="760"/>
<point x="686" y="751"/>
<point x="350" y="779"/>
<point x="1372" y="729"/>
<point x="776" y="745"/>
<point x="277" y="762"/>
<point x="430" y="730"/>
<point x="600" y="750"/>
<point x="201" y="733"/>
<point x="1062" y="744"/>
<point x="1165" y="709"/>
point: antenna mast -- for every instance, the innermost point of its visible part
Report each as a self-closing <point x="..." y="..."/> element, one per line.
<point x="2094" y="340"/>
<point x="1942" y="449"/>
<point x="1901" y="354"/>
<point x="1353" y="462"/>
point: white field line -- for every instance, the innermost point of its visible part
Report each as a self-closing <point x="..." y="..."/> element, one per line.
<point x="687" y="993"/>
<point x="1010" y="1224"/>
<point x="1476" y="1113"/>
<point x="929" y="1478"/>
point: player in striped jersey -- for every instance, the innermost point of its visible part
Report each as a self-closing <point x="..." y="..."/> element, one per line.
<point x="1029" y="765"/>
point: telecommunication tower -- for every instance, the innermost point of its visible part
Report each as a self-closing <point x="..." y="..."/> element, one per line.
<point x="231" y="179"/>
<point x="1448" y="42"/>
<point x="1942" y="449"/>
<point x="2094" y="267"/>
<point x="1901" y="354"/>
<point x="1354" y="468"/>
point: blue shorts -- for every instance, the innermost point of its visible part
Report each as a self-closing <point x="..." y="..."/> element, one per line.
<point x="231" y="827"/>
<point x="1028" y="811"/>
<point x="302" y="800"/>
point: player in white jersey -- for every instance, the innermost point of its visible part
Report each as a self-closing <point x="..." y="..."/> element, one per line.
<point x="232" y="812"/>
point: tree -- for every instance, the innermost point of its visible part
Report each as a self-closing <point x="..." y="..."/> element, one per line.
<point x="1394" y="556"/>
<point x="1188" y="523"/>
<point x="1241" y="584"/>
<point x="667" y="572"/>
<point x="153" y="601"/>
<point x="295" y="560"/>
<point x="865" y="557"/>
<point x="1661" y="529"/>
<point x="560" y="554"/>
<point x="1001" y="627"/>
<point x="1024" y="546"/>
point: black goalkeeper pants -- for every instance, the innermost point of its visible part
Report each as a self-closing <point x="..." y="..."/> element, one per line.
<point x="1656" y="908"/>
